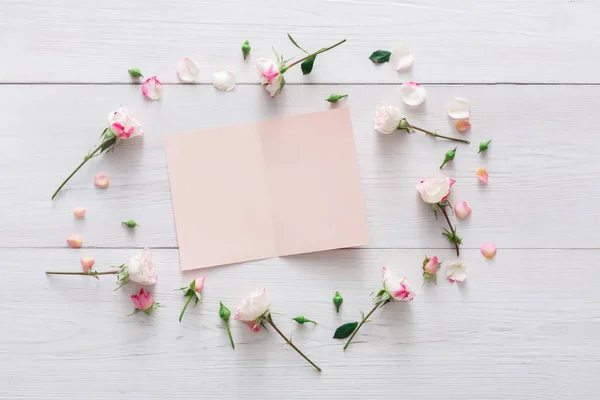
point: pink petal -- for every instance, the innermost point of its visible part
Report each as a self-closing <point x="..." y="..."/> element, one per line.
<point x="488" y="250"/>
<point x="462" y="210"/>
<point x="482" y="174"/>
<point x="152" y="88"/>
<point x="79" y="212"/>
<point x="87" y="263"/>
<point x="101" y="180"/>
<point x="463" y="125"/>
<point x="74" y="241"/>
<point x="254" y="326"/>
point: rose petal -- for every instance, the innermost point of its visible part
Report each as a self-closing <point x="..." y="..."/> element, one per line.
<point x="79" y="212"/>
<point x="223" y="80"/>
<point x="456" y="272"/>
<point x="482" y="174"/>
<point x="187" y="69"/>
<point x="488" y="250"/>
<point x="87" y="263"/>
<point x="462" y="210"/>
<point x="401" y="58"/>
<point x="101" y="180"/>
<point x="412" y="93"/>
<point x="74" y="241"/>
<point x="463" y="125"/>
<point x="459" y="108"/>
<point x="152" y="88"/>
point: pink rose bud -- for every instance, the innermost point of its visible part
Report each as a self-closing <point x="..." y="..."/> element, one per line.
<point x="79" y="212"/>
<point x="74" y="241"/>
<point x="142" y="300"/>
<point x="488" y="250"/>
<point x="463" y="125"/>
<point x="101" y="180"/>
<point x="462" y="210"/>
<point x="87" y="263"/>
<point x="482" y="175"/>
<point x="200" y="283"/>
<point x="431" y="266"/>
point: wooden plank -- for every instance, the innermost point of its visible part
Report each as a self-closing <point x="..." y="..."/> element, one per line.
<point x="524" y="325"/>
<point x="468" y="41"/>
<point x="540" y="163"/>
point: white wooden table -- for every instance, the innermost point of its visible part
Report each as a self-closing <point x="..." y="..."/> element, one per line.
<point x="525" y="324"/>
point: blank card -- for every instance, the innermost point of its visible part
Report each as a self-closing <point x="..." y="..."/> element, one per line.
<point x="268" y="189"/>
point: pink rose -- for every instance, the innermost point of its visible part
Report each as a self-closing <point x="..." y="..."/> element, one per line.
<point x="199" y="283"/>
<point x="143" y="301"/>
<point x="123" y="125"/>
<point x="431" y="265"/>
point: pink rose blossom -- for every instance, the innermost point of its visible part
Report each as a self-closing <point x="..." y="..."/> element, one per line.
<point x="87" y="263"/>
<point x="79" y="212"/>
<point x="101" y="180"/>
<point x="431" y="266"/>
<point x="123" y="125"/>
<point x="462" y="210"/>
<point x="435" y="190"/>
<point x="74" y="241"/>
<point x="488" y="250"/>
<point x="142" y="301"/>
<point x="200" y="283"/>
<point x="152" y="88"/>
<point x="396" y="285"/>
<point x="482" y="175"/>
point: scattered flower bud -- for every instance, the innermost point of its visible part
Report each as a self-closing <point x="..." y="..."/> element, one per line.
<point x="430" y="268"/>
<point x="334" y="98"/>
<point x="130" y="224"/>
<point x="74" y="241"/>
<point x="152" y="88"/>
<point x="187" y="70"/>
<point x="483" y="146"/>
<point x="79" y="212"/>
<point x="462" y="210"/>
<point x="246" y="49"/>
<point x="101" y="180"/>
<point x="302" y="319"/>
<point x="199" y="284"/>
<point x="482" y="175"/>
<point x="87" y="263"/>
<point x="449" y="156"/>
<point x="456" y="272"/>
<point x="337" y="301"/>
<point x="463" y="125"/>
<point x="135" y="72"/>
<point x="224" y="312"/>
<point x="488" y="250"/>
<point x="143" y="301"/>
<point x="412" y="93"/>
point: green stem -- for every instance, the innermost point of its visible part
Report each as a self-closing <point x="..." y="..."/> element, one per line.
<point x="82" y="273"/>
<point x="184" y="307"/>
<point x="361" y="323"/>
<point x="85" y="159"/>
<point x="438" y="135"/>
<point x="323" y="50"/>
<point x="451" y="228"/>
<point x="229" y="333"/>
<point x="270" y="321"/>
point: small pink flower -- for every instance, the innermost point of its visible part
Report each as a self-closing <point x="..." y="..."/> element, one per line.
<point x="463" y="125"/>
<point x="142" y="301"/>
<point x="79" y="212"/>
<point x="152" y="88"/>
<point x="74" y="241"/>
<point x="462" y="210"/>
<point x="488" y="250"/>
<point x="87" y="263"/>
<point x="101" y="180"/>
<point x="200" y="283"/>
<point x="431" y="265"/>
<point x="482" y="174"/>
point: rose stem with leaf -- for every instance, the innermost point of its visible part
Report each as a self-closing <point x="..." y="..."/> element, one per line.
<point x="404" y="125"/>
<point x="93" y="273"/>
<point x="288" y="341"/>
<point x="309" y="59"/>
<point x="452" y="236"/>
<point x="378" y="304"/>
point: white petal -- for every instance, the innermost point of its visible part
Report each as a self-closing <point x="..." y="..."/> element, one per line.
<point x="459" y="108"/>
<point x="223" y="80"/>
<point x="401" y="58"/>
<point x="187" y="69"/>
<point x="152" y="88"/>
<point x="456" y="272"/>
<point x="412" y="93"/>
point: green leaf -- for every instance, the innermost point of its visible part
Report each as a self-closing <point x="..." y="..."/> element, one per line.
<point x="380" y="56"/>
<point x="334" y="98"/>
<point x="296" y="44"/>
<point x="345" y="330"/>
<point x="307" y="65"/>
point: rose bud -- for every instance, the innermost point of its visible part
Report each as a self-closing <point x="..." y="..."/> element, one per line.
<point x="337" y="301"/>
<point x="449" y="156"/>
<point x="483" y="146"/>
<point x="430" y="268"/>
<point x="301" y="319"/>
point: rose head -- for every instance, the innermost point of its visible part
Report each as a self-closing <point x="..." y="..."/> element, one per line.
<point x="431" y="265"/>
<point x="387" y="119"/>
<point x="141" y="268"/>
<point x="123" y="125"/>
<point x="253" y="307"/>
<point x="142" y="301"/>
<point x="435" y="190"/>
<point x="396" y="286"/>
<point x="268" y="70"/>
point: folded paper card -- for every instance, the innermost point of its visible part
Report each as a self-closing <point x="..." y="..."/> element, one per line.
<point x="286" y="186"/>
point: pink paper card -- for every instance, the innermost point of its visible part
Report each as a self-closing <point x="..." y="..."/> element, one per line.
<point x="275" y="188"/>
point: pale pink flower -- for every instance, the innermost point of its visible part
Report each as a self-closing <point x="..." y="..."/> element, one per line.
<point x="396" y="286"/>
<point x="488" y="250"/>
<point x="152" y="88"/>
<point x="141" y="268"/>
<point x="79" y="212"/>
<point x="435" y="190"/>
<point x="87" y="263"/>
<point x="142" y="301"/>
<point x="123" y="125"/>
<point x="200" y="283"/>
<point x="101" y="180"/>
<point x="74" y="241"/>
<point x="431" y="265"/>
<point x="187" y="70"/>
<point x="387" y="119"/>
<point x="412" y="93"/>
<point x="462" y="210"/>
<point x="482" y="175"/>
<point x="463" y="125"/>
<point x="456" y="272"/>
<point x="253" y="307"/>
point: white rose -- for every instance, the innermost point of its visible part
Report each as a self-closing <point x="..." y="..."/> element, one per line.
<point x="387" y="119"/>
<point x="435" y="190"/>
<point x="396" y="285"/>
<point x="255" y="305"/>
<point x="123" y="125"/>
<point x="141" y="268"/>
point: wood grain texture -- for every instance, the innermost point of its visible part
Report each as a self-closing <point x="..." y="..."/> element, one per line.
<point x="540" y="162"/>
<point x="468" y="41"/>
<point x="524" y="325"/>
